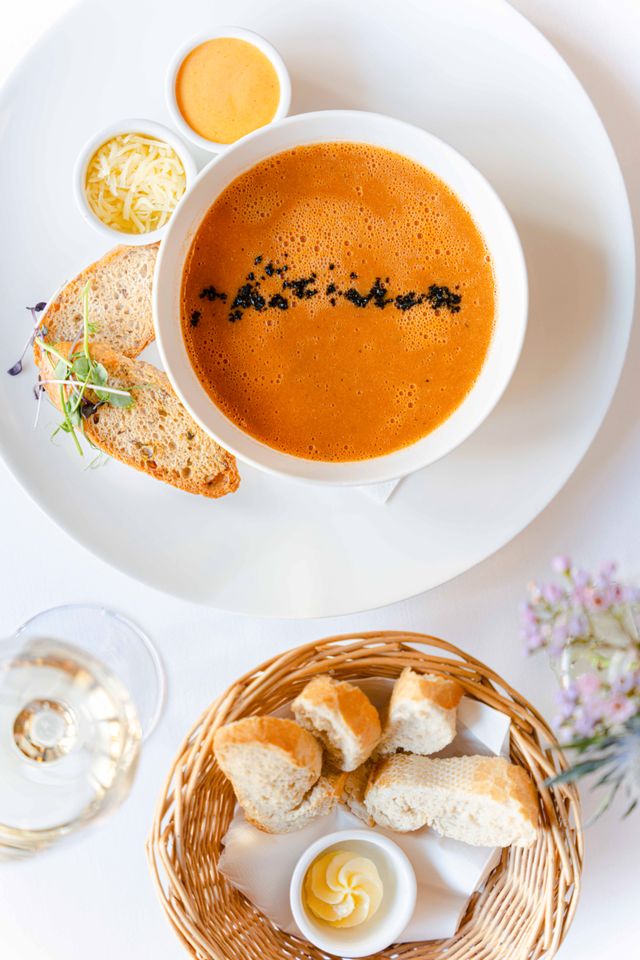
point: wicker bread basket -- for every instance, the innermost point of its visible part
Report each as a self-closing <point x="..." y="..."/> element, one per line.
<point x="524" y="908"/>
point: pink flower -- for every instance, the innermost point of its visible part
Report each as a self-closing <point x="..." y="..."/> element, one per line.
<point x="528" y="613"/>
<point x="617" y="593"/>
<point x="624" y="683"/>
<point x="595" y="599"/>
<point x="607" y="570"/>
<point x="578" y="625"/>
<point x="584" y="725"/>
<point x="587" y="684"/>
<point x="561" y="563"/>
<point x="533" y="642"/>
<point x="619" y="709"/>
<point x="581" y="578"/>
<point x="551" y="592"/>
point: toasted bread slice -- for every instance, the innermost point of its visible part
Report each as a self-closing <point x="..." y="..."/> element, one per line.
<point x="119" y="302"/>
<point x="342" y="716"/>
<point x="484" y="801"/>
<point x="421" y="716"/>
<point x="156" y="434"/>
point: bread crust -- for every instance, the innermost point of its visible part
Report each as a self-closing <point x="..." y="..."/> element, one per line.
<point x="442" y="691"/>
<point x="274" y="733"/>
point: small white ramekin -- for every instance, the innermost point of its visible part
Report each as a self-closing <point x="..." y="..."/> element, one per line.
<point x="148" y="128"/>
<point x="395" y="911"/>
<point x="237" y="33"/>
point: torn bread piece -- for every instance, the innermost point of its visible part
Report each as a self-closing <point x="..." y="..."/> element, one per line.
<point x="342" y="716"/>
<point x="272" y="763"/>
<point x="321" y="800"/>
<point x="421" y="716"/>
<point x="483" y="801"/>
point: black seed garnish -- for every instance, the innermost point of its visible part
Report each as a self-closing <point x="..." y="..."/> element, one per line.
<point x="378" y="294"/>
<point x="249" y="296"/>
<point x="210" y="293"/>
<point x="300" y="287"/>
<point x="279" y="302"/>
<point x="405" y="301"/>
<point x="356" y="298"/>
<point x="258" y="260"/>
<point x="443" y="297"/>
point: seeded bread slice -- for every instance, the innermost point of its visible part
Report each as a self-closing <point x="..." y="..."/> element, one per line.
<point x="421" y="716"/>
<point x="156" y="435"/>
<point x="119" y="302"/>
<point x="483" y="801"/>
<point x="272" y="764"/>
<point x="342" y="716"/>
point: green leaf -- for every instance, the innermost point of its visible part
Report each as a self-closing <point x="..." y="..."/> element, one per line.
<point x="574" y="773"/>
<point x="99" y="375"/>
<point x="117" y="400"/>
<point x="60" y="370"/>
<point x="81" y="367"/>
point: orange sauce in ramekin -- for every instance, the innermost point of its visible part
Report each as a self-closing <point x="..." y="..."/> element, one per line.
<point x="225" y="88"/>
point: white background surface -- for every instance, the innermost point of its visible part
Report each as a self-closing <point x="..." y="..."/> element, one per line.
<point x="94" y="896"/>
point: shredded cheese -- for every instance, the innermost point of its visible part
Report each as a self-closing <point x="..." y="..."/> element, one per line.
<point x="134" y="182"/>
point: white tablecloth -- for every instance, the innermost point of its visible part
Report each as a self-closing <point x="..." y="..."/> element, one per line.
<point x="93" y="897"/>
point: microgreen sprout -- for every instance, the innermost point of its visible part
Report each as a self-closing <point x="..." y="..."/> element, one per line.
<point x="34" y="311"/>
<point x="81" y="380"/>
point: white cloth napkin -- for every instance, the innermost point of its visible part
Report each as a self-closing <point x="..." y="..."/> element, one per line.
<point x="260" y="865"/>
<point x="380" y="492"/>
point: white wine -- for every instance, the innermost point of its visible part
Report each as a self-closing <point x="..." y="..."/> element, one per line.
<point x="69" y="741"/>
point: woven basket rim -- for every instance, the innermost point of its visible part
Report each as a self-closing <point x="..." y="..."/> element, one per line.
<point x="521" y="912"/>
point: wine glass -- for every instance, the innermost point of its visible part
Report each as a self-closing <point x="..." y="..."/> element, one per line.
<point x="80" y="688"/>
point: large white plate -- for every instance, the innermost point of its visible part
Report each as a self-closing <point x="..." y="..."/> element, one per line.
<point x="474" y="73"/>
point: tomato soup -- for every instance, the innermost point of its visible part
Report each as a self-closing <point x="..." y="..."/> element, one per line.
<point x="337" y="302"/>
